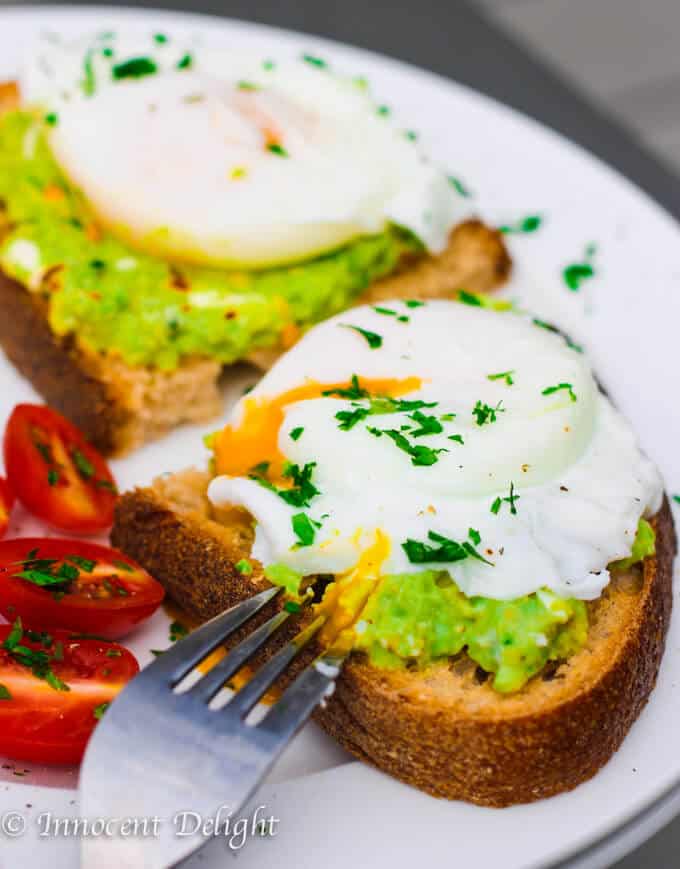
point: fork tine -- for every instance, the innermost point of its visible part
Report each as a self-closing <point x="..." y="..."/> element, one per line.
<point x="244" y="700"/>
<point x="312" y="687"/>
<point x="174" y="664"/>
<point x="213" y="681"/>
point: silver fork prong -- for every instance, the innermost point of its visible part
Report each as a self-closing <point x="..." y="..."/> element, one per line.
<point x="213" y="681"/>
<point x="244" y="699"/>
<point x="315" y="684"/>
<point x="179" y="660"/>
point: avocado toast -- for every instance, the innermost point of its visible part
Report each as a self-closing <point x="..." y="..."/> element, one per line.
<point x="120" y="293"/>
<point x="506" y="632"/>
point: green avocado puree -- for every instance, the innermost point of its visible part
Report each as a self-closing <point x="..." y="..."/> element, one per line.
<point x="420" y="618"/>
<point x="142" y="308"/>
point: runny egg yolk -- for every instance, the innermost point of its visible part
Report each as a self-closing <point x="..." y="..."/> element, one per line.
<point x="254" y="440"/>
<point x="345" y="598"/>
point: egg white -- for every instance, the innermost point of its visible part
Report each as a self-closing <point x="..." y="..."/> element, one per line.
<point x="177" y="162"/>
<point x="581" y="479"/>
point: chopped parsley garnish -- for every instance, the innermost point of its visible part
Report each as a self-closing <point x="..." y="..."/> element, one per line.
<point x="459" y="187"/>
<point x="349" y="418"/>
<point x="291" y="606"/>
<point x="484" y="413"/>
<point x="576" y="273"/>
<point x="160" y="38"/>
<point x="186" y="62"/>
<point x="301" y="492"/>
<point x="176" y="631"/>
<point x="411" y="135"/>
<point x="296" y="433"/>
<point x="52" y="477"/>
<point x="268" y="65"/>
<point x="427" y="425"/>
<point x="314" y="61"/>
<point x="509" y="499"/>
<point x="99" y="711"/>
<point x="88" y="83"/>
<point x="502" y="375"/>
<point x="551" y="390"/>
<point x="420" y="455"/>
<point x="446" y="550"/>
<point x="383" y="111"/>
<point x="136" y="67"/>
<point x="122" y="565"/>
<point x="389" y="312"/>
<point x="304" y="529"/>
<point x="372" y="338"/>
<point x="247" y="86"/>
<point x="4" y="692"/>
<point x="244" y="567"/>
<point x="457" y="438"/>
<point x="52" y="119"/>
<point x="83" y="465"/>
<point x="86" y="564"/>
<point x="37" y="661"/>
<point x="469" y="299"/>
<point x="524" y="226"/>
<point x="414" y="303"/>
<point x="279" y="150"/>
<point x="354" y="391"/>
<point x="676" y="498"/>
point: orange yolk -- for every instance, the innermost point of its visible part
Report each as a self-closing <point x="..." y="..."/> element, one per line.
<point x="255" y="439"/>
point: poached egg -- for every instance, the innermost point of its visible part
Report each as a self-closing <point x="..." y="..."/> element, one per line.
<point x="443" y="436"/>
<point x="226" y="159"/>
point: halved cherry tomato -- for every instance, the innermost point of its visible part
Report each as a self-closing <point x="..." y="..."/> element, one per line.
<point x="55" y="472"/>
<point x="6" y="504"/>
<point x="52" y="583"/>
<point x="53" y="689"/>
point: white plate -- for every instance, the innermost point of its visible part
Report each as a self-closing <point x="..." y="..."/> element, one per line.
<point x="332" y="810"/>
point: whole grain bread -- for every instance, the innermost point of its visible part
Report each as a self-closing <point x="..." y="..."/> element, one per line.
<point x="444" y="730"/>
<point x="118" y="406"/>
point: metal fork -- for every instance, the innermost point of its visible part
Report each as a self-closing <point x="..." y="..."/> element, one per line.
<point x="159" y="751"/>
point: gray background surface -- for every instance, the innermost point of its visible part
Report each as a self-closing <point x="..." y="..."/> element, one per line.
<point x="619" y="58"/>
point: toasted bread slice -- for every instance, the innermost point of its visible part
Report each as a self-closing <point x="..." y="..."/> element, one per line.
<point x="444" y="730"/>
<point x="119" y="407"/>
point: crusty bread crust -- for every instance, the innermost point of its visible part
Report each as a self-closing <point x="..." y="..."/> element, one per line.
<point x="444" y="730"/>
<point x="118" y="407"/>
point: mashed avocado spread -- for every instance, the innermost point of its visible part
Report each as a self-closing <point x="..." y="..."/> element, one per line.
<point x="424" y="617"/>
<point x="146" y="310"/>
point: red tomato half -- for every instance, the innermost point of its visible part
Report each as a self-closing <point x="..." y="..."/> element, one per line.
<point x="53" y="690"/>
<point x="6" y="504"/>
<point x="55" y="472"/>
<point x="74" y="585"/>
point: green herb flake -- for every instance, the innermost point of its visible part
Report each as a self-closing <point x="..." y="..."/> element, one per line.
<point x="525" y="226"/>
<point x="502" y="375"/>
<point x="86" y="564"/>
<point x="279" y="150"/>
<point x="414" y="303"/>
<point x="509" y="499"/>
<point x="185" y="62"/>
<point x="469" y="299"/>
<point x="123" y="565"/>
<point x="296" y="433"/>
<point x="576" y="273"/>
<point x="4" y="692"/>
<point x="373" y="340"/>
<point x="160" y="38"/>
<point x="136" y="67"/>
<point x="426" y="425"/>
<point x="83" y="465"/>
<point x="303" y="528"/>
<point x="52" y="477"/>
<point x="247" y="86"/>
<point x="551" y="390"/>
<point x="459" y="187"/>
<point x="353" y="392"/>
<point x="349" y="418"/>
<point x="176" y="631"/>
<point x="99" y="711"/>
<point x="52" y="119"/>
<point x="383" y="111"/>
<point x="268" y="65"/>
<point x="457" y="438"/>
<point x="446" y="550"/>
<point x="290" y="606"/>
<point x="676" y="498"/>
<point x="312" y="60"/>
<point x="484" y="413"/>
<point x="301" y="492"/>
<point x="421" y="456"/>
<point x="114" y="653"/>
<point x="244" y="567"/>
